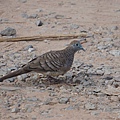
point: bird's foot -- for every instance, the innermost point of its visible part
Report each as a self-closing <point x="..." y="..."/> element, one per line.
<point x="53" y="80"/>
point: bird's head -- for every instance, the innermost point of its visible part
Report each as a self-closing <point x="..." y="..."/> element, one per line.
<point x="76" y="45"/>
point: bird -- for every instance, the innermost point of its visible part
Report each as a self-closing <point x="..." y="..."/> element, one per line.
<point x="52" y="63"/>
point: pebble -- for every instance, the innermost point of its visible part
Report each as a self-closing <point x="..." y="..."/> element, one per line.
<point x="63" y="100"/>
<point x="33" y="16"/>
<point x="59" y="16"/>
<point x="8" y="32"/>
<point x="9" y="88"/>
<point x="22" y="77"/>
<point x="23" y="1"/>
<point x="116" y="53"/>
<point x="78" y="88"/>
<point x="114" y="98"/>
<point x="33" y="99"/>
<point x="90" y="106"/>
<point x="95" y="113"/>
<point x="74" y="26"/>
<point x="39" y="23"/>
<point x="114" y="28"/>
<point x="48" y="101"/>
<point x="31" y="50"/>
<point x="15" y="110"/>
<point x="24" y="15"/>
<point x="27" y="47"/>
<point x="100" y="72"/>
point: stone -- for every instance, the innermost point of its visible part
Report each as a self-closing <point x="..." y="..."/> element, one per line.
<point x="8" y="32"/>
<point x="90" y="106"/>
<point x="15" y="110"/>
<point x="107" y="39"/>
<point x="33" y="99"/>
<point x="116" y="53"/>
<point x="24" y="15"/>
<point x="114" y="28"/>
<point x="48" y="101"/>
<point x="27" y="47"/>
<point x="33" y="16"/>
<point x="31" y="50"/>
<point x="95" y="113"/>
<point x="78" y="88"/>
<point x="100" y="72"/>
<point x="22" y="77"/>
<point x="39" y="23"/>
<point x="63" y="100"/>
<point x="23" y="1"/>
<point x="9" y="88"/>
<point x="59" y="16"/>
<point x="114" y="98"/>
<point x="117" y="78"/>
<point x="40" y="10"/>
<point x="74" y="26"/>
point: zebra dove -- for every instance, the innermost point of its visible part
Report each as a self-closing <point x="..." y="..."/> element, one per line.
<point x="52" y="63"/>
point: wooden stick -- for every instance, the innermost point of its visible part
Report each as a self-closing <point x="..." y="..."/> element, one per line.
<point x="40" y="38"/>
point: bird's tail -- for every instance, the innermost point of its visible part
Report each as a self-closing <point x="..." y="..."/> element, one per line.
<point x="13" y="74"/>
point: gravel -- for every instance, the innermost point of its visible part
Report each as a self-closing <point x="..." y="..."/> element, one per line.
<point x="8" y="32"/>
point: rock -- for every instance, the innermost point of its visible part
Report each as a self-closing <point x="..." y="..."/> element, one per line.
<point x="11" y="79"/>
<point x="33" y="99"/>
<point x="91" y="71"/>
<point x="87" y="82"/>
<point x="39" y="10"/>
<point x="31" y="49"/>
<point x="114" y="28"/>
<point x="102" y="47"/>
<point x="48" y="101"/>
<point x="39" y="23"/>
<point x="22" y="77"/>
<point x="24" y="15"/>
<point x="78" y="88"/>
<point x="114" y="98"/>
<point x="111" y="91"/>
<point x="63" y="100"/>
<point x="47" y="41"/>
<point x="15" y="110"/>
<point x="116" y="53"/>
<point x="107" y="39"/>
<point x="8" y="32"/>
<point x="9" y="88"/>
<point x="95" y="113"/>
<point x="100" y="72"/>
<point x="33" y="16"/>
<point x="108" y="70"/>
<point x="34" y="117"/>
<point x="90" y="106"/>
<point x="23" y="1"/>
<point x="27" y="47"/>
<point x="74" y="26"/>
<point x="28" y="108"/>
<point x="117" y="78"/>
<point x="59" y="16"/>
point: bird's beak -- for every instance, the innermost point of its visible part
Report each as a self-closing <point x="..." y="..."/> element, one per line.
<point x="83" y="49"/>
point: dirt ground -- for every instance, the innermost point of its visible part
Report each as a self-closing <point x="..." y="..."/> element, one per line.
<point x="99" y="18"/>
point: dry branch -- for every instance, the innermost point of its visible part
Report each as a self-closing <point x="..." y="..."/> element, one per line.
<point x="40" y="38"/>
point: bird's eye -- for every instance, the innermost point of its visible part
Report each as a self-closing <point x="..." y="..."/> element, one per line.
<point x="77" y="44"/>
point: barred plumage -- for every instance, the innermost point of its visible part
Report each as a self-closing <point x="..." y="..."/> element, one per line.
<point x="52" y="63"/>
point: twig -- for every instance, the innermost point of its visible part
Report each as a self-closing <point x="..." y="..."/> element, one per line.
<point x="40" y="38"/>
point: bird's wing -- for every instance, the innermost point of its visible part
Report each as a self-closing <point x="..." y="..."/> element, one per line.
<point x="50" y="61"/>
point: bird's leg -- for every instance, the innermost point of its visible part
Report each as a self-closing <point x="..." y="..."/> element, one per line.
<point x="53" y="80"/>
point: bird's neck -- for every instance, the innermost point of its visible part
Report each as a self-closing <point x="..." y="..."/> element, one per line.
<point x="70" y="50"/>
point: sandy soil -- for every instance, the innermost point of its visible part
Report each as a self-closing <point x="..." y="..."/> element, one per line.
<point x="96" y="17"/>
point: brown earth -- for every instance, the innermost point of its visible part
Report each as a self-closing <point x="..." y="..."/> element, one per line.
<point x="95" y="17"/>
